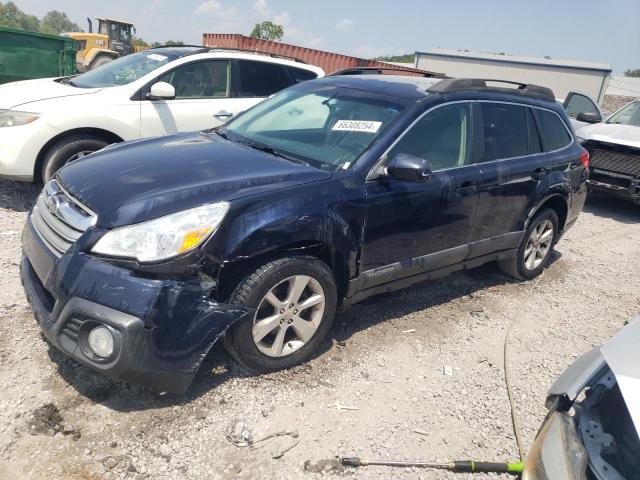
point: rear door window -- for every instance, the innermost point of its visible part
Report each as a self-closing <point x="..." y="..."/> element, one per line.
<point x="260" y="79"/>
<point x="554" y="131"/>
<point x="506" y="132"/>
<point x="301" y="75"/>
<point x="534" y="138"/>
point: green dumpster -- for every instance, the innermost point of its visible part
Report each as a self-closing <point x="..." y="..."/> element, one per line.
<point x="25" y="55"/>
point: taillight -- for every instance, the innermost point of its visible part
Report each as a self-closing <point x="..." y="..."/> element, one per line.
<point x="584" y="158"/>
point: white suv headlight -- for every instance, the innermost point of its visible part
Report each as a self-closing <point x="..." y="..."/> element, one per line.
<point x="164" y="237"/>
<point x="12" y="118"/>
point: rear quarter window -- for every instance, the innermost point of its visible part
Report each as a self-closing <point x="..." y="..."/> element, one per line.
<point x="301" y="75"/>
<point x="554" y="132"/>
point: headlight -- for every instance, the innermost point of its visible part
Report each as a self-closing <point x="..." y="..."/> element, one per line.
<point x="557" y="451"/>
<point x="11" y="118"/>
<point x="164" y="237"/>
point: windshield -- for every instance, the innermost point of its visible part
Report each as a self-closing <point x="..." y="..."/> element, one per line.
<point x="325" y="126"/>
<point x="629" y="115"/>
<point x="122" y="71"/>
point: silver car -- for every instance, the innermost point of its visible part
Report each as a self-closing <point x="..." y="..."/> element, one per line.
<point x="593" y="425"/>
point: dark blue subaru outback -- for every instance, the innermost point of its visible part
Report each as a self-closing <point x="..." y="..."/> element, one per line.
<point x="140" y="257"/>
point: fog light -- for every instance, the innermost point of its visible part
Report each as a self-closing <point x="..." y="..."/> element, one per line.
<point x="101" y="342"/>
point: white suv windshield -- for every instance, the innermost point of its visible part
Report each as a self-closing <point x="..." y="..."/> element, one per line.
<point x="325" y="126"/>
<point x="629" y="115"/>
<point x="124" y="70"/>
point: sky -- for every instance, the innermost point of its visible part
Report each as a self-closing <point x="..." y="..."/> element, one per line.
<point x="603" y="31"/>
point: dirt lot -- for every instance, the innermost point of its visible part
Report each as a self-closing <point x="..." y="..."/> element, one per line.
<point x="379" y="388"/>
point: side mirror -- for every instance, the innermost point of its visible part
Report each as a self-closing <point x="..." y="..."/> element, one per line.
<point x="410" y="168"/>
<point x="589" y="117"/>
<point x="161" y="91"/>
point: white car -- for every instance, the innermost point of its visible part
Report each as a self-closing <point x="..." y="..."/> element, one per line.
<point x="614" y="147"/>
<point x="582" y="109"/>
<point x="47" y="123"/>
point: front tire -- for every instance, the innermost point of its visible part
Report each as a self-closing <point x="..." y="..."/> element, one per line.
<point x="536" y="247"/>
<point x="295" y="300"/>
<point x="69" y="150"/>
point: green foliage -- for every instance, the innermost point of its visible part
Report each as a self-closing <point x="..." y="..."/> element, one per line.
<point x="54" y="22"/>
<point x="57" y="22"/>
<point x="12" y="16"/>
<point x="168" y="43"/>
<point x="138" y="42"/>
<point x="632" y="73"/>
<point x="406" y="58"/>
<point x="267" y="31"/>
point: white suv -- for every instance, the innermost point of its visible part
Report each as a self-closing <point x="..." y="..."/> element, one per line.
<point x="47" y="123"/>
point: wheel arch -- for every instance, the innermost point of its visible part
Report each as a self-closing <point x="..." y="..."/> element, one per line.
<point x="557" y="203"/>
<point x="106" y="135"/>
<point x="231" y="273"/>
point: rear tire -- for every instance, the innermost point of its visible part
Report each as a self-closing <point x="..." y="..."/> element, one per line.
<point x="68" y="150"/>
<point x="101" y="60"/>
<point x="536" y="247"/>
<point x="295" y="300"/>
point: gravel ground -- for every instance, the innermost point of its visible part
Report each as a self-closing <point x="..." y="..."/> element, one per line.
<point x="615" y="102"/>
<point x="416" y="375"/>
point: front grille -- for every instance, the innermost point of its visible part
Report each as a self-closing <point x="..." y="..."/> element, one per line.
<point x="615" y="160"/>
<point x="59" y="219"/>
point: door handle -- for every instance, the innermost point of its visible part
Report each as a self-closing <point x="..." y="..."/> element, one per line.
<point x="467" y="186"/>
<point x="223" y="114"/>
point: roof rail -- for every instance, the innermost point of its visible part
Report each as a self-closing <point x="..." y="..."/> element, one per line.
<point x="257" y="52"/>
<point x="204" y="49"/>
<point x="460" y="84"/>
<point x="381" y="70"/>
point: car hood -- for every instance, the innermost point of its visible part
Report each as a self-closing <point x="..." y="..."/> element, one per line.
<point x="611" y="133"/>
<point x="145" y="179"/>
<point x="620" y="355"/>
<point x="15" y="94"/>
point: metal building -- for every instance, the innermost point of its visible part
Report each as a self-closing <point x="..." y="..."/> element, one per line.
<point x="560" y="75"/>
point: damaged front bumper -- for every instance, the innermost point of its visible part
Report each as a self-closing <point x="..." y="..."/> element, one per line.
<point x="162" y="329"/>
<point x="621" y="186"/>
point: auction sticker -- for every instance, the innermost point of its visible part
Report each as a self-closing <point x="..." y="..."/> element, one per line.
<point x="156" y="57"/>
<point x="357" y="126"/>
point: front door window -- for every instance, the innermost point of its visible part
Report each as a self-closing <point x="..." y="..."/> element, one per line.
<point x="206" y="79"/>
<point x="442" y="137"/>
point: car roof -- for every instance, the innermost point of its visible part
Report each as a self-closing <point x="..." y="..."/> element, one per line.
<point x="407" y="87"/>
<point x="414" y="88"/>
<point x="204" y="52"/>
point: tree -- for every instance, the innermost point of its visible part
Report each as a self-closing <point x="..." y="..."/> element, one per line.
<point x="168" y="43"/>
<point x="268" y="31"/>
<point x="632" y="73"/>
<point x="138" y="42"/>
<point x="57" y="22"/>
<point x="12" y="16"/>
<point x="406" y="58"/>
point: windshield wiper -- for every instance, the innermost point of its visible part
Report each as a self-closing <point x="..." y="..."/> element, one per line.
<point x="218" y="131"/>
<point x="272" y="151"/>
<point x="67" y="81"/>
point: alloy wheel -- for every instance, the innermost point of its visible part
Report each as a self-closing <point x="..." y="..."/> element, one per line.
<point x="79" y="155"/>
<point x="538" y="245"/>
<point x="288" y="316"/>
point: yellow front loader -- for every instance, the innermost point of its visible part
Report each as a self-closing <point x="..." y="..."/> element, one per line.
<point x="114" y="39"/>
